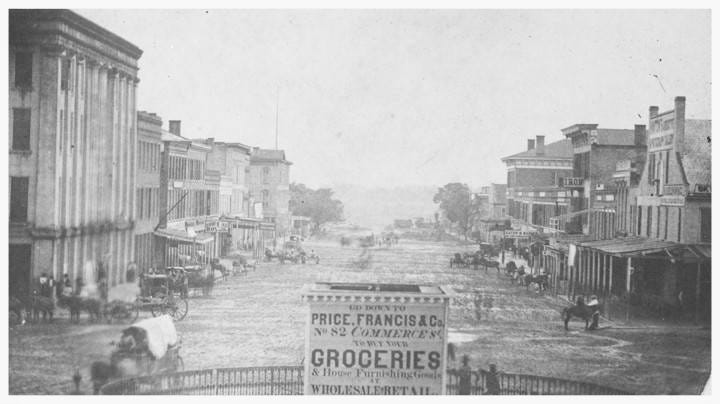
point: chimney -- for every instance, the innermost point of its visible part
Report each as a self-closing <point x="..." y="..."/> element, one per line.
<point x="640" y="135"/>
<point x="174" y="127"/>
<point x="653" y="111"/>
<point x="679" y="138"/>
<point x="531" y="144"/>
<point x="540" y="145"/>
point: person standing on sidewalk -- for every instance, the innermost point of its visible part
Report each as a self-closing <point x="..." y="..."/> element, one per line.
<point x="594" y="305"/>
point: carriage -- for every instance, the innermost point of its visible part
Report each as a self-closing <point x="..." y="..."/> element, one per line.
<point x="148" y="347"/>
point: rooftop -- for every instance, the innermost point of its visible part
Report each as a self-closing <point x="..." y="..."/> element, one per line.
<point x="562" y="149"/>
<point x="268" y="155"/>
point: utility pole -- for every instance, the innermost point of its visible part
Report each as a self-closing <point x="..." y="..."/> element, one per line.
<point x="277" y="115"/>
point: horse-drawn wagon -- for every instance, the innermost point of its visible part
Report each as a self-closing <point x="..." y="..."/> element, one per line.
<point x="148" y="347"/>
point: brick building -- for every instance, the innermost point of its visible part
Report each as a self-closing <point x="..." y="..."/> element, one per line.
<point x="72" y="87"/>
<point x="147" y="190"/>
<point x="596" y="152"/>
<point x="189" y="201"/>
<point x="663" y="265"/>
<point x="237" y="229"/>
<point x="534" y="193"/>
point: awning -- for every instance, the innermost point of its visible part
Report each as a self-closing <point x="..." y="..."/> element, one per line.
<point x="240" y="222"/>
<point x="182" y="236"/>
<point x="641" y="247"/>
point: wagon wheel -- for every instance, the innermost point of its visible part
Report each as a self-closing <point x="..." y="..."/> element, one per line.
<point x="158" y="309"/>
<point x="177" y="308"/>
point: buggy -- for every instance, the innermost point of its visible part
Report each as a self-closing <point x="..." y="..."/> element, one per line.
<point x="148" y="347"/>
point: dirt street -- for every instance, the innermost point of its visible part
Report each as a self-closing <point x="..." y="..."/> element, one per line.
<point x="258" y="320"/>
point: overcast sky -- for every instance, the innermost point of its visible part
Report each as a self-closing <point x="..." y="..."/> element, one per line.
<point x="411" y="97"/>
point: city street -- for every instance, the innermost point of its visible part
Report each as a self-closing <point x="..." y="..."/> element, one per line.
<point x="258" y="320"/>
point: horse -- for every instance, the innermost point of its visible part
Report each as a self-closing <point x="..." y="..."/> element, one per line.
<point x="580" y="310"/>
<point x="510" y="268"/>
<point x="37" y="304"/>
<point x="519" y="274"/>
<point x="75" y="304"/>
<point x="458" y="260"/>
<point x="490" y="263"/>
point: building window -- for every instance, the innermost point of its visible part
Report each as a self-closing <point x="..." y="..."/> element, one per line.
<point x="639" y="220"/>
<point x="651" y="168"/>
<point x="657" y="226"/>
<point x="266" y="175"/>
<point x="265" y="198"/>
<point x="649" y="221"/>
<point x="65" y="75"/>
<point x="705" y="225"/>
<point x="23" y="69"/>
<point x="21" y="129"/>
<point x="19" y="187"/>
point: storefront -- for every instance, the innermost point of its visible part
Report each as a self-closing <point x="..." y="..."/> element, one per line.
<point x="179" y="247"/>
<point x="666" y="279"/>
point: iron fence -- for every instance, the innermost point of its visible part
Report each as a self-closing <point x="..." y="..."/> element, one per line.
<point x="519" y="384"/>
<point x="288" y="380"/>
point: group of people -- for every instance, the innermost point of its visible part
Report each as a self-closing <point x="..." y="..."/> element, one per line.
<point x="52" y="289"/>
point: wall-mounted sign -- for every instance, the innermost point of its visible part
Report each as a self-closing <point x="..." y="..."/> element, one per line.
<point x="674" y="189"/>
<point x="573" y="182"/>
<point x="375" y="339"/>
<point x="516" y="234"/>
<point x="672" y="200"/>
<point x="661" y="131"/>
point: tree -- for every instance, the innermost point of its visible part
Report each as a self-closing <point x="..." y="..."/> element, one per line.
<point x="318" y="205"/>
<point x="456" y="203"/>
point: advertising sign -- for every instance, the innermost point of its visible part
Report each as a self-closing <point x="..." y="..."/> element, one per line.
<point x="573" y="182"/>
<point x="672" y="200"/>
<point x="661" y="132"/>
<point x="376" y="339"/>
<point x="516" y="234"/>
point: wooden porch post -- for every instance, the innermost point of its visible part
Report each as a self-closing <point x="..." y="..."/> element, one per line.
<point x="609" y="289"/>
<point x="628" y="274"/>
<point x="697" y="291"/>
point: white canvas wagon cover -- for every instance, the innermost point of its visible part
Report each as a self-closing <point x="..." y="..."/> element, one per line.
<point x="160" y="333"/>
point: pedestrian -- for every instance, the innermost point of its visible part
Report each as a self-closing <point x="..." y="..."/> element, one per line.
<point x="465" y="377"/>
<point x="492" y="381"/>
<point x="594" y="305"/>
<point x="79" y="284"/>
<point x="45" y="289"/>
<point x="52" y="285"/>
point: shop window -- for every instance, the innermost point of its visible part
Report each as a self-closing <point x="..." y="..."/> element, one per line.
<point x="19" y="187"/>
<point x="23" y="70"/>
<point x="21" y="129"/>
<point x="705" y="225"/>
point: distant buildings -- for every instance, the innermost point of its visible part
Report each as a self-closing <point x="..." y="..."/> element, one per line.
<point x="72" y="148"/>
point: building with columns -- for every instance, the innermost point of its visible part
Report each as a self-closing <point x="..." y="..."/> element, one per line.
<point x="72" y="99"/>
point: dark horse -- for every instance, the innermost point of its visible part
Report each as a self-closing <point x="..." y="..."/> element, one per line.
<point x="490" y="264"/>
<point x="580" y="310"/>
<point x="458" y="260"/>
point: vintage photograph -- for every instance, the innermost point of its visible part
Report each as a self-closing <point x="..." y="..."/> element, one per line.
<point x="357" y="201"/>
